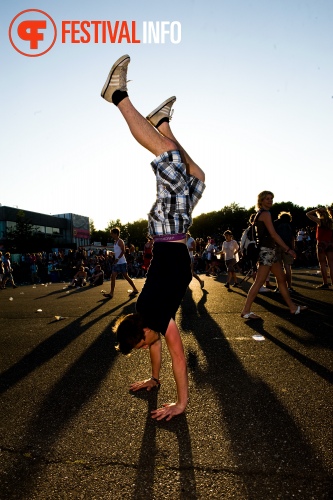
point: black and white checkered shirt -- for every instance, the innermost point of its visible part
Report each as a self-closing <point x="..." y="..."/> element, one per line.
<point x="177" y="193"/>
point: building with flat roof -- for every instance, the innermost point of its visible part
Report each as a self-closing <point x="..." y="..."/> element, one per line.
<point x="66" y="230"/>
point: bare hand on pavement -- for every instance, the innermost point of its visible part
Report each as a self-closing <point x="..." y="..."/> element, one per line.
<point x="143" y="384"/>
<point x="167" y="411"/>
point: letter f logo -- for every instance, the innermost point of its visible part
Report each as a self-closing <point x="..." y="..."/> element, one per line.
<point x="29" y="31"/>
<point x="35" y="27"/>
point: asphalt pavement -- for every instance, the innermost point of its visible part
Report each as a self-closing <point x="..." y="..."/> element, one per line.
<point x="259" y="421"/>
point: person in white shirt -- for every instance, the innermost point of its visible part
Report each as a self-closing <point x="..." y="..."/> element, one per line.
<point x="120" y="264"/>
<point x="230" y="250"/>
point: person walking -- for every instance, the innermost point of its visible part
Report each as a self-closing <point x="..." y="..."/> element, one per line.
<point x="8" y="271"/>
<point x="267" y="239"/>
<point x="191" y="249"/>
<point x="179" y="186"/>
<point x="120" y="264"/>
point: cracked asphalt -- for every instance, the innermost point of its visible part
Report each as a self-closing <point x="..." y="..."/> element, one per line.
<point x="259" y="420"/>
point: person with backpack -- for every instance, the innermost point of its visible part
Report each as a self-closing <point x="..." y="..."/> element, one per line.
<point x="284" y="230"/>
<point x="267" y="239"/>
<point x="248" y="245"/>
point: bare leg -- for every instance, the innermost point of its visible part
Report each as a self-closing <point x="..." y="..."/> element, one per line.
<point x="330" y="264"/>
<point x="191" y="167"/>
<point x="254" y="290"/>
<point x="143" y="131"/>
<point x="194" y="274"/>
<point x="130" y="282"/>
<point x="322" y="264"/>
<point x="288" y="274"/>
<point x="113" y="283"/>
<point x="280" y="276"/>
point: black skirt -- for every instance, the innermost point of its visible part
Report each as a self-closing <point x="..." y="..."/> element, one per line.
<point x="167" y="279"/>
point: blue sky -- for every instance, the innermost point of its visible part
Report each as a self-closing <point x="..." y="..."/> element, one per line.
<point x="253" y="81"/>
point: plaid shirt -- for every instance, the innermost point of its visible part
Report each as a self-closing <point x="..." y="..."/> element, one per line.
<point x="176" y="195"/>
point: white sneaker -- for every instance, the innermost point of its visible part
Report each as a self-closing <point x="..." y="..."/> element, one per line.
<point x="162" y="111"/>
<point x="117" y="78"/>
<point x="264" y="289"/>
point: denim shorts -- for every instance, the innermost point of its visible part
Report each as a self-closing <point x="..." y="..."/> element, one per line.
<point x="119" y="268"/>
<point x="267" y="256"/>
<point x="230" y="265"/>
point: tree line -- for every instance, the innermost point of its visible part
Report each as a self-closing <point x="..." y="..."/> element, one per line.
<point x="24" y="239"/>
<point x="233" y="217"/>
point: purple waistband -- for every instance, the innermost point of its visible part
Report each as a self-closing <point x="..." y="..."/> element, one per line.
<point x="169" y="237"/>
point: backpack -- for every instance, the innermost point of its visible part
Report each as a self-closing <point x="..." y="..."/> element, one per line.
<point x="248" y="237"/>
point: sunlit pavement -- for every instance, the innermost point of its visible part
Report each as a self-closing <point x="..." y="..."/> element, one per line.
<point x="258" y="423"/>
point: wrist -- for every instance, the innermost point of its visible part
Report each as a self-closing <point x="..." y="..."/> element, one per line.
<point x="287" y="251"/>
<point x="155" y="380"/>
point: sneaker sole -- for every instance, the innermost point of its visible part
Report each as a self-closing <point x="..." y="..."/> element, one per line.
<point x="158" y="109"/>
<point x="116" y="64"/>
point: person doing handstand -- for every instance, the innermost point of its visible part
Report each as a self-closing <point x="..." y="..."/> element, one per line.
<point x="179" y="184"/>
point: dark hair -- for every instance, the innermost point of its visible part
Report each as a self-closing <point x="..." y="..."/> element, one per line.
<point x="227" y="232"/>
<point x="129" y="331"/>
<point x="115" y="230"/>
<point x="285" y="217"/>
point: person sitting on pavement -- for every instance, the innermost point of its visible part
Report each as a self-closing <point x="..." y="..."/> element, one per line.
<point x="80" y="278"/>
<point x="180" y="183"/>
<point x="97" y="277"/>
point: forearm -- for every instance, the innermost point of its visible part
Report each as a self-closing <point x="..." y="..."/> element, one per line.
<point x="175" y="346"/>
<point x="155" y="352"/>
<point x="312" y="215"/>
<point x="180" y="374"/>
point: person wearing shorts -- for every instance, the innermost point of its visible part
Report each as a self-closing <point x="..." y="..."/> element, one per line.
<point x="324" y="237"/>
<point x="120" y="264"/>
<point x="179" y="186"/>
<point x="191" y="249"/>
<point x="268" y="239"/>
<point x="230" y="250"/>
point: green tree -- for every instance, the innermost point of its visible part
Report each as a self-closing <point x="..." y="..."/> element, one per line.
<point x="137" y="232"/>
<point x="25" y="239"/>
<point x="20" y="237"/>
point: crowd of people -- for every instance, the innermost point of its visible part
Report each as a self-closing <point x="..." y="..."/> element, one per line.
<point x="208" y="257"/>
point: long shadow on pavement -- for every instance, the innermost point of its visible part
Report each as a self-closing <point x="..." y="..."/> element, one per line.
<point x="49" y="348"/>
<point x="60" y="406"/>
<point x="146" y="470"/>
<point x="266" y="442"/>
